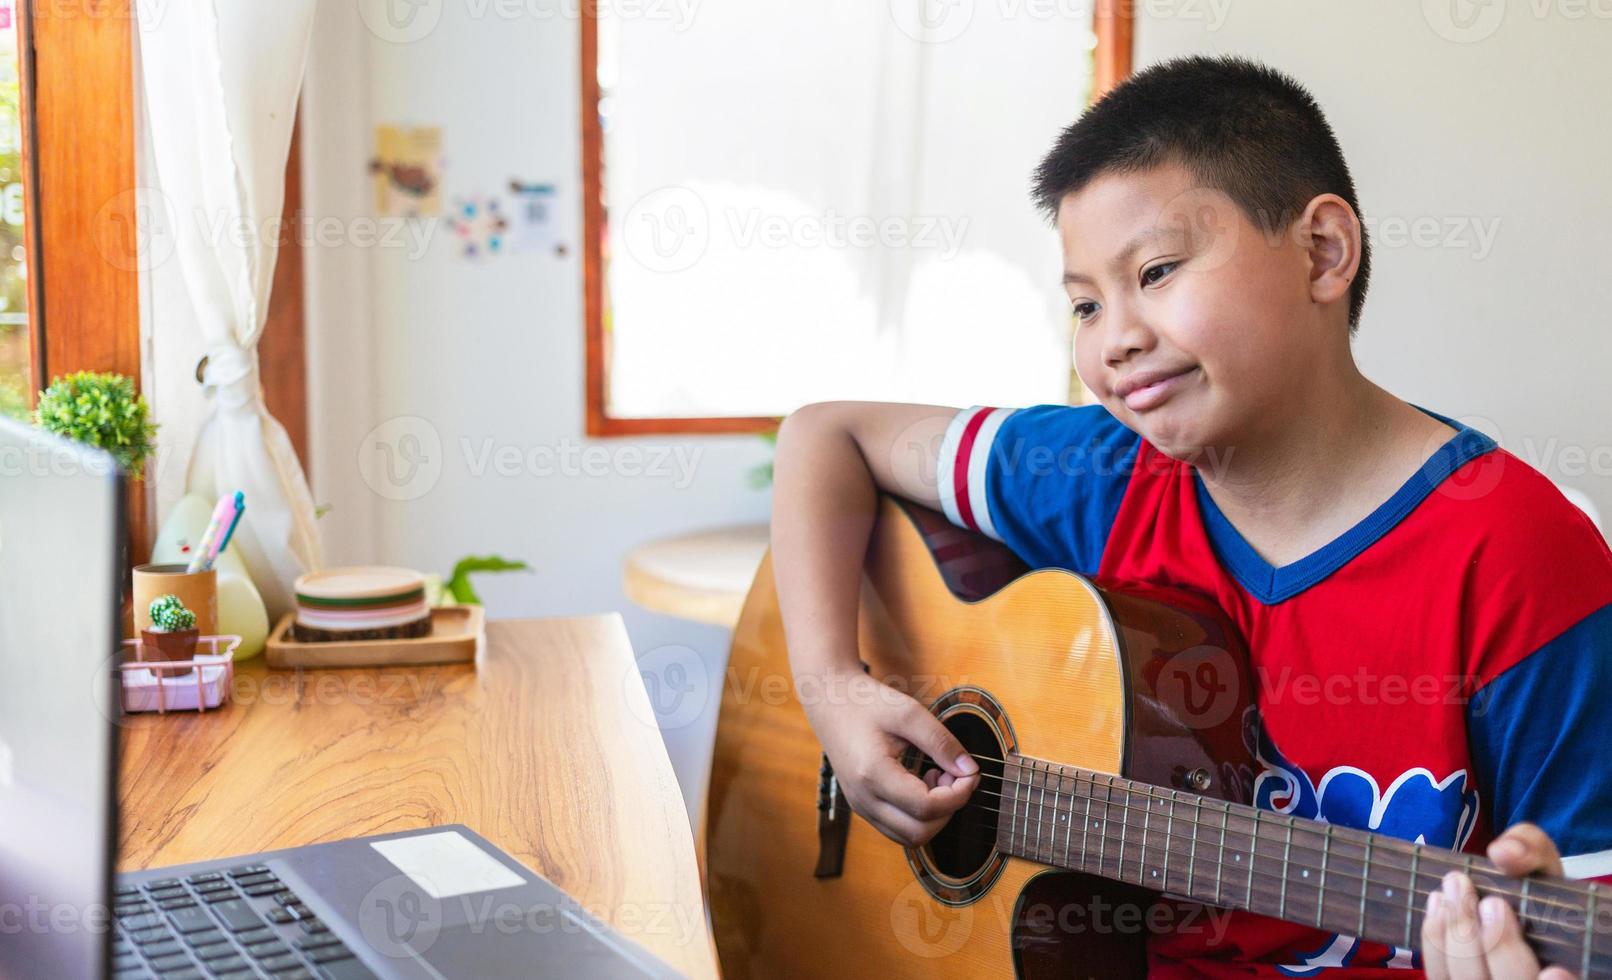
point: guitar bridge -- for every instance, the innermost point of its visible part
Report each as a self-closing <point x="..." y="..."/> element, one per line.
<point x="833" y="823"/>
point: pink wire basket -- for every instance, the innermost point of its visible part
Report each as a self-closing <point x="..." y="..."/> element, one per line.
<point x="199" y="684"/>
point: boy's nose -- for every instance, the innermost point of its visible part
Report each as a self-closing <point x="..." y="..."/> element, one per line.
<point x="1127" y="336"/>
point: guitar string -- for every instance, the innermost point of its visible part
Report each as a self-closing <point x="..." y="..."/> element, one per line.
<point x="1171" y="837"/>
<point x="1393" y="845"/>
<point x="1430" y="855"/>
<point x="1454" y="862"/>
<point x="1266" y="888"/>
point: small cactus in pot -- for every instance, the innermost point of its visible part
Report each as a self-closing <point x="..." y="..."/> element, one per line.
<point x="172" y="634"/>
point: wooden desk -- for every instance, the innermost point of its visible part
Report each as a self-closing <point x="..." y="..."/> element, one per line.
<point x="548" y="749"/>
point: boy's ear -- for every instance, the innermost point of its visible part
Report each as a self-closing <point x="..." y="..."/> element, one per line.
<point x="1329" y="231"/>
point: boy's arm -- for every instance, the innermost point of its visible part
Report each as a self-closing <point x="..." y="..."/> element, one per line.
<point x="833" y="458"/>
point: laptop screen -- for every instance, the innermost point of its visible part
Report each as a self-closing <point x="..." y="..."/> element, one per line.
<point x="61" y="519"/>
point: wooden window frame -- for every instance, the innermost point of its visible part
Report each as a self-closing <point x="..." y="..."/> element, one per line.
<point x="76" y="76"/>
<point x="1113" y="25"/>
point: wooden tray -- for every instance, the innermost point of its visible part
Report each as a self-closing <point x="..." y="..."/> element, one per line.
<point x="455" y="636"/>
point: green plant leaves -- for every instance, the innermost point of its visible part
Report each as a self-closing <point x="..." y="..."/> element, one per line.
<point x="459" y="582"/>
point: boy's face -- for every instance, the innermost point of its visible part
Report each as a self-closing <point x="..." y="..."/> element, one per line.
<point x="1204" y="299"/>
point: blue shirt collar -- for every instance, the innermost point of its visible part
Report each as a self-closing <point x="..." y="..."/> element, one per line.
<point x="1271" y="585"/>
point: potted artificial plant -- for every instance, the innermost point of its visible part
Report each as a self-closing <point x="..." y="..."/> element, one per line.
<point x="101" y="410"/>
<point x="172" y="634"/>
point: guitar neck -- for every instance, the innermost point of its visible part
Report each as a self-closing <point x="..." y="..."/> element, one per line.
<point x="1337" y="879"/>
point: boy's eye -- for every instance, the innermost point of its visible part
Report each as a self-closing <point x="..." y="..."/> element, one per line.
<point x="1163" y="268"/>
<point x="1084" y="311"/>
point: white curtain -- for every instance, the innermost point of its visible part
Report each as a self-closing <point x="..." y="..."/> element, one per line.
<point x="220" y="84"/>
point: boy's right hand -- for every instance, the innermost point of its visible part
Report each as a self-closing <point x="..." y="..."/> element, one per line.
<point x="865" y="726"/>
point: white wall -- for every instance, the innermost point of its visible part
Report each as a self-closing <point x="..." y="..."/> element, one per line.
<point x="485" y="355"/>
<point x="1499" y="127"/>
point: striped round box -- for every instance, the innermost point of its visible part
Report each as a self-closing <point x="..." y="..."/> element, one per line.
<point x="369" y="602"/>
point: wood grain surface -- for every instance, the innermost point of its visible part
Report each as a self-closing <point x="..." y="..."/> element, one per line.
<point x="547" y="747"/>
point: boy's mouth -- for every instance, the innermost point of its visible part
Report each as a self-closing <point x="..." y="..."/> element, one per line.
<point x="1145" y="390"/>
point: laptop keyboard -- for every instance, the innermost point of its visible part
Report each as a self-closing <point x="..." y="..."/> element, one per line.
<point x="237" y="923"/>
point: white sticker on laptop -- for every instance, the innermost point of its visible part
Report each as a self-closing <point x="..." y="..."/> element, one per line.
<point x="446" y="864"/>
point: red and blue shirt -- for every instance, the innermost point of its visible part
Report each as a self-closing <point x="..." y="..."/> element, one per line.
<point x="1439" y="672"/>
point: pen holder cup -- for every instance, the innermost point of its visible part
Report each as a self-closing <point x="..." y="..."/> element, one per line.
<point x="197" y="590"/>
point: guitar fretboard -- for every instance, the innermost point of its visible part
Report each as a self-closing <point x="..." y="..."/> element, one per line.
<point x="1230" y="855"/>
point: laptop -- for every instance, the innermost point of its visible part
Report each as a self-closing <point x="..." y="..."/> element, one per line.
<point x="438" y="902"/>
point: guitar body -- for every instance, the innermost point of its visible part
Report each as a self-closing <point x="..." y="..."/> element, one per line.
<point x="1149" y="685"/>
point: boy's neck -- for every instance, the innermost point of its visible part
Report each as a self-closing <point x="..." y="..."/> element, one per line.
<point x="1323" y="468"/>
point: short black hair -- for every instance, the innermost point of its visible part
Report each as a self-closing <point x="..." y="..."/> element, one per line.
<point x="1238" y="126"/>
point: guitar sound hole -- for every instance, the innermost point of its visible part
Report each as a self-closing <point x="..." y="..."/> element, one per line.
<point x="964" y="846"/>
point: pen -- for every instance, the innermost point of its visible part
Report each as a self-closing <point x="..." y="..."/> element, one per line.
<point x="229" y="532"/>
<point x="199" y="561"/>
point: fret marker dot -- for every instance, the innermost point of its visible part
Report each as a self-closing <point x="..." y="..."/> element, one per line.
<point x="1390" y="893"/>
<point x="1306" y="872"/>
<point x="1236" y="857"/>
<point x="1155" y="873"/>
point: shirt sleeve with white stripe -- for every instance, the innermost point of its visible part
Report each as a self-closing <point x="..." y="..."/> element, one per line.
<point x="1045" y="481"/>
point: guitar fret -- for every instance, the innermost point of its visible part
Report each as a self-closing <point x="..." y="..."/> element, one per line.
<point x="1040" y="827"/>
<point x="1102" y="828"/>
<point x="1410" y="895"/>
<point x="1589" y="928"/>
<point x="1321" y="889"/>
<point x="1085" y="847"/>
<point x="1040" y="813"/>
<point x="1055" y="773"/>
<point x="1069" y="822"/>
<point x="1220" y="867"/>
<point x="1169" y="840"/>
<point x="1253" y="849"/>
<point x="1124" y="831"/>
<point x="1141" y="855"/>
<point x="1192" y="855"/>
<point x="1012" y="806"/>
<point x="1225" y="825"/>
<point x="1024" y="834"/>
<point x="1287" y="869"/>
<point x="1522" y="913"/>
<point x="1057" y="811"/>
<point x="1365" y="883"/>
<point x="1057" y="807"/>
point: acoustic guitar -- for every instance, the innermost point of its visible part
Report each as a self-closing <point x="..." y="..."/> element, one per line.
<point x="1114" y="731"/>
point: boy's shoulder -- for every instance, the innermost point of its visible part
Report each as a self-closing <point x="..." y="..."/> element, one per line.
<point x="1519" y="516"/>
<point x="1531" y="565"/>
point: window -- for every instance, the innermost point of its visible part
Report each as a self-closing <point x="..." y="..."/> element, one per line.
<point x="17" y="349"/>
<point x="790" y="203"/>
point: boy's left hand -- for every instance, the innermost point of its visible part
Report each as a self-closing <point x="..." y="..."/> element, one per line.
<point x="1463" y="939"/>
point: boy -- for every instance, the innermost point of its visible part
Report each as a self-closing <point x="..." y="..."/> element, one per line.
<point x="1216" y="267"/>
